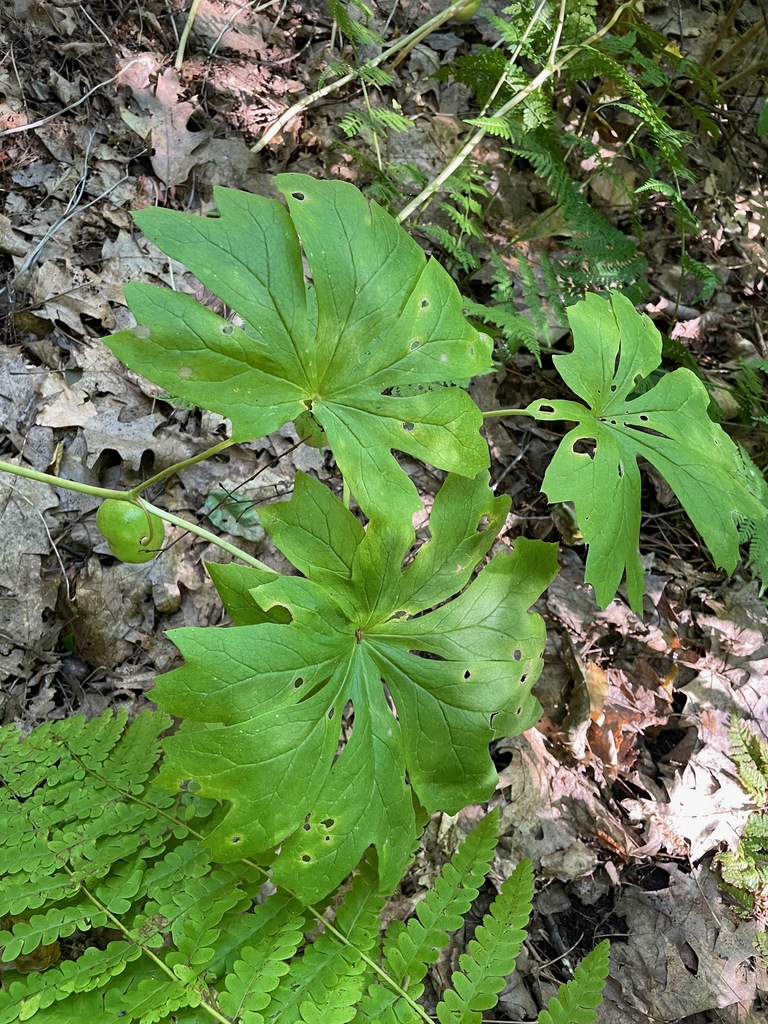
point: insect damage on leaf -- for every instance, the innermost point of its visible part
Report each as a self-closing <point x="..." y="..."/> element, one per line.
<point x="596" y="468"/>
<point x="417" y="669"/>
<point x="371" y="344"/>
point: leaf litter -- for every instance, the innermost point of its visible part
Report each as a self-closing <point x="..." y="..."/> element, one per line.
<point x="624" y="791"/>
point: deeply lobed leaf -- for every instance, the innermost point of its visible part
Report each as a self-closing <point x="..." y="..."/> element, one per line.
<point x="614" y="347"/>
<point x="369" y="349"/>
<point x="419" y="679"/>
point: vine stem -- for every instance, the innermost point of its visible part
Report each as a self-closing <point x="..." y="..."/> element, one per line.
<point x="133" y="496"/>
<point x="411" y="40"/>
<point x="428" y="192"/>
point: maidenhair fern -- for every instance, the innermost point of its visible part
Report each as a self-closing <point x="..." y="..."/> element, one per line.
<point x="112" y="911"/>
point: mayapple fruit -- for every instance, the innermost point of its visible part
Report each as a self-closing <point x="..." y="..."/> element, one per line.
<point x="133" y="534"/>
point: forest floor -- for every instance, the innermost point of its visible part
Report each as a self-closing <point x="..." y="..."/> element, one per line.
<point x="624" y="793"/>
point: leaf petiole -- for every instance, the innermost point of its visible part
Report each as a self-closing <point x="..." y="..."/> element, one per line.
<point x="505" y="412"/>
<point x="178" y="466"/>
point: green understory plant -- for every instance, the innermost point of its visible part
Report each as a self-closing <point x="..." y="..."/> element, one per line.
<point x="347" y="702"/>
<point x="112" y="909"/>
<point x="744" y="871"/>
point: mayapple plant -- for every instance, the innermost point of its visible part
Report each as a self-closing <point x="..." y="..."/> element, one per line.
<point x="350" y="700"/>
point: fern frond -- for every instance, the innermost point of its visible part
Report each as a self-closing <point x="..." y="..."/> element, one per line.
<point x="357" y="32"/>
<point x="492" y="953"/>
<point x="409" y="948"/>
<point x="755" y="531"/>
<point x="280" y="923"/>
<point x="328" y="980"/>
<point x="576" y="1002"/>
<point x="502" y="127"/>
<point x="710" y="282"/>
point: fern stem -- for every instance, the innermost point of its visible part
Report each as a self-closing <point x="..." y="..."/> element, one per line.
<point x="148" y="952"/>
<point x="428" y="192"/>
<point x="557" y="33"/>
<point x="411" y="40"/>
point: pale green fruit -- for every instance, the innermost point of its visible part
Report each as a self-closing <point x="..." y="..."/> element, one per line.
<point x="133" y="535"/>
<point x="469" y="11"/>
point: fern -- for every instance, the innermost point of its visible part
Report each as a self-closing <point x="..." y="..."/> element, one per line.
<point x="492" y="953"/>
<point x="358" y="33"/>
<point x="577" y="1000"/>
<point x="113" y="912"/>
<point x="755" y="533"/>
<point x="744" y="871"/>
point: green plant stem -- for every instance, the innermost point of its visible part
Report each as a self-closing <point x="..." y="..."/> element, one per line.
<point x="177" y="466"/>
<point x="505" y="412"/>
<point x="108" y="492"/>
<point x="148" y="952"/>
<point x="185" y="34"/>
<point x="429" y="191"/>
<point x="56" y="481"/>
<point x="200" y="531"/>
<point x="412" y="39"/>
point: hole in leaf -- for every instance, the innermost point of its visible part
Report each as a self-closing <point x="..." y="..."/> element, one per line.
<point x="328" y="822"/>
<point x="331" y="713"/>
<point x="523" y="677"/>
<point x="613" y="387"/>
<point x="517" y="654"/>
<point x="327" y="839"/>
<point x="643" y="418"/>
<point x="584" y="446"/>
<point x="227" y="329"/>
<point x="620" y="469"/>
<point x="297" y="683"/>
<point x="467" y="674"/>
<point x="306" y="858"/>
<point x="299" y="196"/>
<point x="407" y="425"/>
<point x="546" y="408"/>
<point x="471" y="351"/>
<point x="483" y="524"/>
<point x="306" y="826"/>
<point x="416" y="343"/>
<point x="234" y="840"/>
<point x="424" y="303"/>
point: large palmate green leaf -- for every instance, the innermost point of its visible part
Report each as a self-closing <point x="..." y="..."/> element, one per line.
<point x="613" y="347"/>
<point x="415" y="679"/>
<point x="369" y="349"/>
